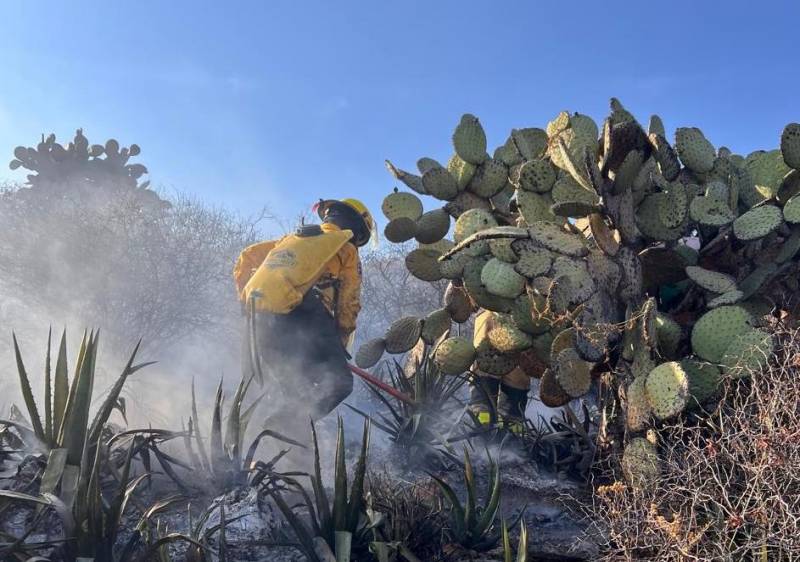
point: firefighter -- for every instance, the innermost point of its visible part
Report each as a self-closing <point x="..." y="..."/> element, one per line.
<point x="500" y="400"/>
<point x="302" y="295"/>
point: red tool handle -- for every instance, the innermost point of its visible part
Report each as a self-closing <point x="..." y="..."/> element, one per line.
<point x="380" y="384"/>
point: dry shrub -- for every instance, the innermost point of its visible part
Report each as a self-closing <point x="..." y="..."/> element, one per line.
<point x="730" y="483"/>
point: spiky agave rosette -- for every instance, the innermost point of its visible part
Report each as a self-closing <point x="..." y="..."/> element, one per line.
<point x="661" y="259"/>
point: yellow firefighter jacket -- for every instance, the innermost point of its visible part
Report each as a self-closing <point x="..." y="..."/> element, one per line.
<point x="339" y="283"/>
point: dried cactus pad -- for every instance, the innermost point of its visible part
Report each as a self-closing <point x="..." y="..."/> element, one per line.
<point x="667" y="390"/>
<point x="640" y="463"/>
<point x="748" y="353"/>
<point x="573" y="374"/>
<point x="638" y="411"/>
<point x="757" y="222"/>
<point x="403" y="334"/>
<point x="704" y="379"/>
<point x="714" y="331"/>
<point x="435" y="325"/>
<point x="790" y="145"/>
<point x="501" y="279"/>
<point x="694" y="150"/>
<point x="402" y="204"/>
<point x="432" y="226"/>
<point x="370" y="353"/>
<point x="550" y="392"/>
<point x="711" y="280"/>
<point x="400" y="230"/>
<point x="454" y="355"/>
<point x="469" y="140"/>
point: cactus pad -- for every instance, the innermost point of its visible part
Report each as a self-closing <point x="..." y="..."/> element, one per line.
<point x="558" y="240"/>
<point x="454" y="355"/>
<point x="767" y="170"/>
<point x="400" y="230"/>
<point x="711" y="280"/>
<point x="440" y="183"/>
<point x="757" y="222"/>
<point x="704" y="379"/>
<point x="501" y="279"/>
<point x="507" y="338"/>
<point x="432" y="226"/>
<point x="401" y="204"/>
<point x="469" y="223"/>
<point x="424" y="264"/>
<point x="731" y="297"/>
<point x="492" y="362"/>
<point x="747" y="354"/>
<point x="469" y="140"/>
<point x="489" y="179"/>
<point x="550" y="392"/>
<point x="425" y="164"/>
<point x="790" y="145"/>
<point x="694" y="150"/>
<point x="533" y="261"/>
<point x="530" y="143"/>
<point x="535" y="207"/>
<point x="791" y="210"/>
<point x="667" y="390"/>
<point x="710" y="211"/>
<point x="714" y="331"/>
<point x="501" y="249"/>
<point x="638" y="412"/>
<point x="461" y="170"/>
<point x="411" y="181"/>
<point x="668" y="334"/>
<point x="403" y="334"/>
<point x="573" y="374"/>
<point x="435" y="325"/>
<point x="458" y="304"/>
<point x="536" y="175"/>
<point x="370" y="353"/>
<point x="640" y="463"/>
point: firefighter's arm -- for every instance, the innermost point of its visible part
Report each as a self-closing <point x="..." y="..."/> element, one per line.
<point x="249" y="260"/>
<point x="349" y="300"/>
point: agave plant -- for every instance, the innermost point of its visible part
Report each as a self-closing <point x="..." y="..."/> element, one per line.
<point x="522" y="547"/>
<point x="420" y="425"/>
<point x="473" y="525"/>
<point x="71" y="482"/>
<point x="337" y="526"/>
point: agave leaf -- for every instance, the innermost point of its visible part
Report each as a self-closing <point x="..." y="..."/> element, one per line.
<point x="27" y="394"/>
<point x="233" y="425"/>
<point x="76" y="417"/>
<point x="299" y="528"/>
<point x="344" y="545"/>
<point x="320" y="495"/>
<point x="356" y="504"/>
<point x="522" y="549"/>
<point x="56" y="460"/>
<point x="108" y="405"/>
<point x="379" y="425"/>
<point x="48" y="394"/>
<point x="470" y="516"/>
<point x="222" y="553"/>
<point x="487" y="518"/>
<point x="340" y="482"/>
<point x="458" y="510"/>
<point x="187" y="444"/>
<point x="251" y="452"/>
<point x="60" y="387"/>
<point x="69" y="484"/>
<point x="218" y="456"/>
<point x="407" y="554"/>
<point x="507" y="554"/>
<point x="200" y="445"/>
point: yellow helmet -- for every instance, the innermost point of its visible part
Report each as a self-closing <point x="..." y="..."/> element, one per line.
<point x="354" y="204"/>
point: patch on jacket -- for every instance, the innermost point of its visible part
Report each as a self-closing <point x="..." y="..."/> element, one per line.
<point x="281" y="258"/>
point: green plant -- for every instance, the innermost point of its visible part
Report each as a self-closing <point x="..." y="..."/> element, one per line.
<point x="420" y="426"/>
<point x="336" y="525"/>
<point x="473" y="524"/>
<point x="522" y="546"/>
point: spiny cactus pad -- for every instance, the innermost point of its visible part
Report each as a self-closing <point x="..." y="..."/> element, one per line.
<point x="424" y="264"/>
<point x="711" y="280"/>
<point x="435" y="325"/>
<point x="370" y="353"/>
<point x="715" y="330"/>
<point x="704" y="379"/>
<point x="506" y="337"/>
<point x="454" y="355"/>
<point x="747" y="354"/>
<point x="471" y="222"/>
<point x="432" y="226"/>
<point x="558" y="240"/>
<point x="757" y="222"/>
<point x="400" y="230"/>
<point x="790" y="145"/>
<point x="403" y="334"/>
<point x="640" y="463"/>
<point x="667" y="390"/>
<point x="469" y="140"/>
<point x="402" y="204"/>
<point x="694" y="150"/>
<point x="501" y="279"/>
<point x="440" y="183"/>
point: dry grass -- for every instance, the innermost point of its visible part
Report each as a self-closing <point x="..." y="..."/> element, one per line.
<point x="730" y="481"/>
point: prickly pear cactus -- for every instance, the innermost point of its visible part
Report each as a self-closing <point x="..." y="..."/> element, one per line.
<point x="606" y="251"/>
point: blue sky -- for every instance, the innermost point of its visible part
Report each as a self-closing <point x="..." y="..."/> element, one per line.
<point x="279" y="103"/>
